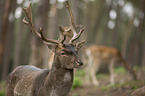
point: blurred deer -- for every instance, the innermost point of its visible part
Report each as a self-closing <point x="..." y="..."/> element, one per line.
<point x="32" y="81"/>
<point x="98" y="55"/>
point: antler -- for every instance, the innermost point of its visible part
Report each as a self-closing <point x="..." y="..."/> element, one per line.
<point x="28" y="13"/>
<point x="61" y="35"/>
<point x="73" y="26"/>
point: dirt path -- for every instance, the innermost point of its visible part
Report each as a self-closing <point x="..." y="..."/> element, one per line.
<point x="124" y="88"/>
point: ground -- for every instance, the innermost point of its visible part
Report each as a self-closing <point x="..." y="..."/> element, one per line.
<point x="123" y="87"/>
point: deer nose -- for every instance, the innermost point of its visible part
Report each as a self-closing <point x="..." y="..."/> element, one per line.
<point x="80" y="63"/>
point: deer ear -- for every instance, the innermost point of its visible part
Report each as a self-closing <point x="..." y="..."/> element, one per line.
<point x="79" y="45"/>
<point x="52" y="47"/>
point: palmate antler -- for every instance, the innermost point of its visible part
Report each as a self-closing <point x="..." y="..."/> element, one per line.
<point x="73" y="26"/>
<point x="39" y="34"/>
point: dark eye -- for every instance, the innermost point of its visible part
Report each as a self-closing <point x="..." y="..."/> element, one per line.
<point x="63" y="53"/>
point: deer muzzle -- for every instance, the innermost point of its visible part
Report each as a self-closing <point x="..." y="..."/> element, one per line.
<point x="78" y="64"/>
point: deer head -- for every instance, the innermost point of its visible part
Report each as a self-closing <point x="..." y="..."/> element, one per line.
<point x="67" y="53"/>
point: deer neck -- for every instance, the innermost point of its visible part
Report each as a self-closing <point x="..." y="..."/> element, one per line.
<point x="60" y="80"/>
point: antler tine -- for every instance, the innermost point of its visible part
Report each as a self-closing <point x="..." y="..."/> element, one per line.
<point x="28" y="13"/>
<point x="77" y="36"/>
<point x="73" y="27"/>
<point x="61" y="35"/>
<point x="47" y="40"/>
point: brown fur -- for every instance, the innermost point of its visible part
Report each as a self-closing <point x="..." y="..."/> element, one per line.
<point x="98" y="55"/>
<point x="32" y="81"/>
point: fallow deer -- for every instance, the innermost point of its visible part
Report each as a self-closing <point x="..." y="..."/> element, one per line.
<point x="98" y="55"/>
<point x="31" y="81"/>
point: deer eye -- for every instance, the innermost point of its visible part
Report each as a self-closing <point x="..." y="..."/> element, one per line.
<point x="63" y="53"/>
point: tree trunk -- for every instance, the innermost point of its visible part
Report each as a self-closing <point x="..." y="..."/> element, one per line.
<point x="117" y="28"/>
<point x="18" y="44"/>
<point x="126" y="38"/>
<point x="39" y="50"/>
<point x="2" y="3"/>
<point x="4" y="28"/>
<point x="25" y="46"/>
<point x="136" y="46"/>
<point x="88" y="19"/>
<point x="101" y="8"/>
<point x="143" y="60"/>
<point x="8" y="40"/>
<point x="106" y="29"/>
<point x="141" y="35"/>
<point x="53" y="24"/>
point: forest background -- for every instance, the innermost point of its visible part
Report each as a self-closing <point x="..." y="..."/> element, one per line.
<point x="114" y="23"/>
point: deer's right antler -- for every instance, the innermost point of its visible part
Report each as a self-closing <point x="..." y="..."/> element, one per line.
<point x="39" y="34"/>
<point x="62" y="35"/>
<point x="73" y="26"/>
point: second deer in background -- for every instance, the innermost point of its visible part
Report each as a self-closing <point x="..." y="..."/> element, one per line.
<point x="98" y="55"/>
